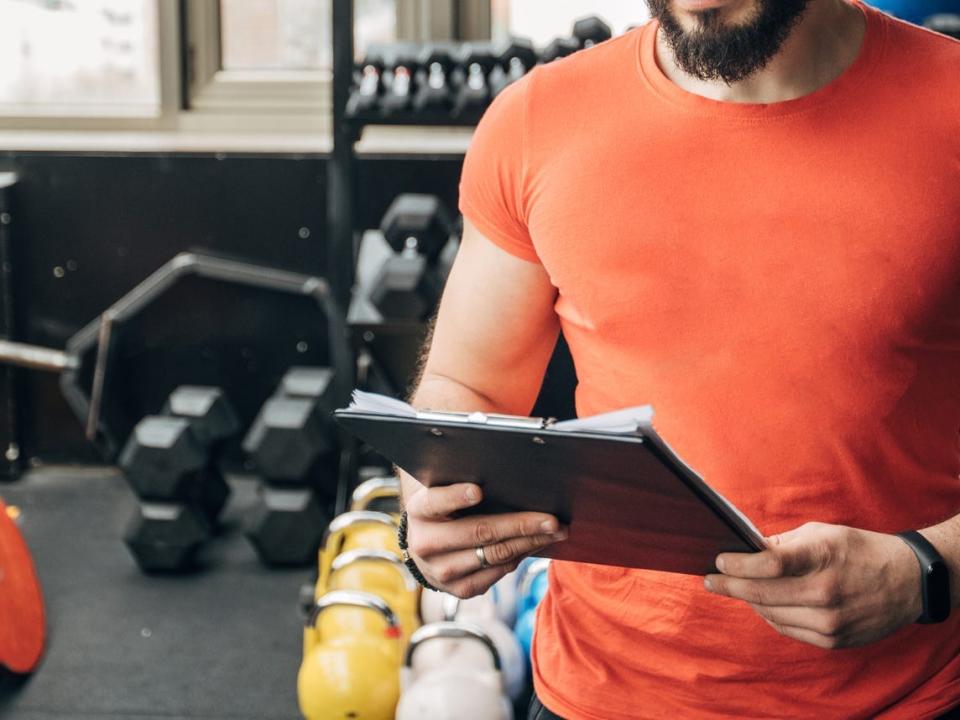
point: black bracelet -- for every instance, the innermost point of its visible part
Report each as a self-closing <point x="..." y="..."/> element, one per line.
<point x="407" y="560"/>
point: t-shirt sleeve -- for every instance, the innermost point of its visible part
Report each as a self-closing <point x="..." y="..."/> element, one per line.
<point x="492" y="183"/>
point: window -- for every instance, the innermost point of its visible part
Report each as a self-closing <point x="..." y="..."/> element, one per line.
<point x="294" y="34"/>
<point x="79" y="58"/>
<point x="544" y="20"/>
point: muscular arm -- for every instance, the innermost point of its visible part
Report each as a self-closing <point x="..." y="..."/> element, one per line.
<point x="494" y="335"/>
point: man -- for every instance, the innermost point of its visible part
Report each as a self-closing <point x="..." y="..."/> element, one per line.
<point x="747" y="213"/>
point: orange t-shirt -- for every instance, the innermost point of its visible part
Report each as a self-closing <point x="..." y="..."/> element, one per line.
<point x="782" y="283"/>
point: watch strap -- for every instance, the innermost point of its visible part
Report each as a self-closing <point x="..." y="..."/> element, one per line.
<point x="934" y="581"/>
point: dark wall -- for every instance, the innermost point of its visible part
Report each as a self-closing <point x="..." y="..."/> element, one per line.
<point x="89" y="227"/>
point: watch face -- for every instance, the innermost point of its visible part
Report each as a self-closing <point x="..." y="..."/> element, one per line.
<point x="937" y="588"/>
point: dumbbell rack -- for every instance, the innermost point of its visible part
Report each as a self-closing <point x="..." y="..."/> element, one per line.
<point x="342" y="235"/>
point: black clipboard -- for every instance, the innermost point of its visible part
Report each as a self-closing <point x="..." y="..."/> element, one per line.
<point x="628" y="499"/>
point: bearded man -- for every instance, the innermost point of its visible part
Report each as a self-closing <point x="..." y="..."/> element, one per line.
<point x="747" y="213"/>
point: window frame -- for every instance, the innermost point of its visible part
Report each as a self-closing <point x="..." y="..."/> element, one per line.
<point x="198" y="97"/>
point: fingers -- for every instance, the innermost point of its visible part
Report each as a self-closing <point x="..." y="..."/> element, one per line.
<point x="806" y="635"/>
<point x="438" y="503"/>
<point x="428" y="539"/>
<point x="828" y="622"/>
<point x="454" y="566"/>
<point x="796" y="553"/>
<point x="807" y="591"/>
<point x="479" y="582"/>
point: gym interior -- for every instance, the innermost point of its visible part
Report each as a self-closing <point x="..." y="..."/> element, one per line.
<point x="217" y="219"/>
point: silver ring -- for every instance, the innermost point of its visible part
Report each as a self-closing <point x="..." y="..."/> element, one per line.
<point x="482" y="557"/>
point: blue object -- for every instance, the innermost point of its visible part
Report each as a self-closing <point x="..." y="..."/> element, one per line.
<point x="524" y="631"/>
<point x="916" y="11"/>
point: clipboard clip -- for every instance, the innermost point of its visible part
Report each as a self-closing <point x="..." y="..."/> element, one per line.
<point x="492" y="419"/>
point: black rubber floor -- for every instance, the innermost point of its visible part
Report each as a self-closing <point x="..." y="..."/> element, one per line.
<point x="223" y="642"/>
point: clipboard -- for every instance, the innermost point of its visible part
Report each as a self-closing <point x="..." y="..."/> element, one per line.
<point x="628" y="500"/>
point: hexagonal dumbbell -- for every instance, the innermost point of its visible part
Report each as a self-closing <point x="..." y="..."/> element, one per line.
<point x="164" y="462"/>
<point x="166" y="537"/>
<point x="515" y="60"/>
<point x="294" y="445"/>
<point x="417" y="224"/>
<point x="293" y="436"/>
<point x="434" y="92"/>
<point x="287" y="526"/>
<point x="559" y="48"/>
<point x="406" y="288"/>
<point x="169" y="462"/>
<point x="212" y="418"/>
<point x="590" y="31"/>
<point x="473" y="95"/>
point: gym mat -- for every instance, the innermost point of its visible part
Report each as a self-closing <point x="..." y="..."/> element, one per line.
<point x="221" y="642"/>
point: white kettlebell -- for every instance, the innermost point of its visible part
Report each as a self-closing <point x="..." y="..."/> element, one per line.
<point x="512" y="659"/>
<point x="459" y="688"/>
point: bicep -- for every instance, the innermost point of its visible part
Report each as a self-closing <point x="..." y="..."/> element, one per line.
<point x="496" y="328"/>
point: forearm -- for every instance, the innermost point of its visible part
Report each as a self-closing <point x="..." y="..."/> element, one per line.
<point x="438" y="392"/>
<point x="945" y="537"/>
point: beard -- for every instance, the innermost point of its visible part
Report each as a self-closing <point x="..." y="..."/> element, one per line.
<point x="715" y="51"/>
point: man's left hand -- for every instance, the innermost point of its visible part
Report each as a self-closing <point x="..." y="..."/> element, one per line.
<point x="827" y="585"/>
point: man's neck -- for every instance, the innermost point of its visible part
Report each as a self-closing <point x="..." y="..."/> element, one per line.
<point x="824" y="43"/>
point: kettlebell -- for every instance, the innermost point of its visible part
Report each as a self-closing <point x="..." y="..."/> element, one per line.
<point x="350" y="675"/>
<point x="457" y="689"/>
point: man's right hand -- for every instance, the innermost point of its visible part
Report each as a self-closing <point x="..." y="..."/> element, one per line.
<point x="445" y="548"/>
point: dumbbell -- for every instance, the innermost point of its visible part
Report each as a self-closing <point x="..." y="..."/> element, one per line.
<point x="434" y="94"/>
<point x="473" y="95"/>
<point x="457" y="690"/>
<point x="559" y="48"/>
<point x="366" y="95"/>
<point x="945" y="23"/>
<point x="351" y="673"/>
<point x="409" y="283"/>
<point x="590" y="31"/>
<point x="515" y="60"/>
<point x="398" y="84"/>
<point x="294" y="446"/>
<point x="169" y="462"/>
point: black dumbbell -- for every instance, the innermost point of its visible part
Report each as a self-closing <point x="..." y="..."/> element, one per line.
<point x="398" y="84"/>
<point x="945" y="23"/>
<point x="169" y="462"/>
<point x="166" y="537"/>
<point x="590" y="31"/>
<point x="473" y="93"/>
<point x="293" y="438"/>
<point x="294" y="445"/>
<point x="418" y="223"/>
<point x="366" y="94"/>
<point x="514" y="61"/>
<point x="434" y="93"/>
<point x="407" y="287"/>
<point x="559" y="48"/>
<point x="287" y="525"/>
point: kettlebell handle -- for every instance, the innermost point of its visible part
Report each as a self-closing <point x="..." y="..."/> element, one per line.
<point x="382" y="556"/>
<point x="455" y="630"/>
<point x="538" y="566"/>
<point x="374" y="489"/>
<point x="340" y="524"/>
<point x="353" y="598"/>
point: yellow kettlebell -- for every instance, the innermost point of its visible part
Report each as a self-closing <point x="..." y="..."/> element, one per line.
<point x="379" y="573"/>
<point x="351" y="675"/>
<point x="378" y="488"/>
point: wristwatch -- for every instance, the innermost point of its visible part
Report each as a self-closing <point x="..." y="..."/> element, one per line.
<point x="934" y="578"/>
